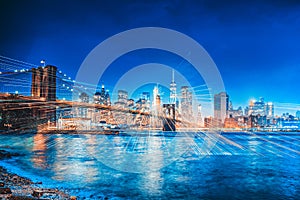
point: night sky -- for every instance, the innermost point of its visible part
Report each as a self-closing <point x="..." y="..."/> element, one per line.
<point x="255" y="44"/>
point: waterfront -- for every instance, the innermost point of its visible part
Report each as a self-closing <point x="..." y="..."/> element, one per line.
<point x="266" y="167"/>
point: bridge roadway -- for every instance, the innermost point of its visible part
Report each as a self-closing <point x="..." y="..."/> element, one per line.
<point x="10" y="102"/>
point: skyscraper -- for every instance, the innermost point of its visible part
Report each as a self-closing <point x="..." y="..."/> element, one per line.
<point x="269" y="110"/>
<point x="199" y="116"/>
<point x="261" y="108"/>
<point x="186" y="104"/>
<point x="122" y="97"/>
<point x="173" y="95"/>
<point x="257" y="107"/>
<point x="221" y="105"/>
<point x="102" y="97"/>
<point x="156" y="110"/>
<point x="84" y="98"/>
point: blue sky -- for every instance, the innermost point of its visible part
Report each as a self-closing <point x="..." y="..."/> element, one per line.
<point x="255" y="44"/>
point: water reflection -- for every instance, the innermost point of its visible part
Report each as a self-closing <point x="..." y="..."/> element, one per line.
<point x="152" y="180"/>
<point x="256" y="172"/>
<point x="39" y="151"/>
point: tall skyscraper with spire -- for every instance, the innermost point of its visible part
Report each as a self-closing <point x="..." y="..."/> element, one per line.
<point x="173" y="95"/>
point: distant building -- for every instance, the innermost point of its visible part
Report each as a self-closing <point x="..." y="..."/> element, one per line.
<point x="257" y="121"/>
<point x="235" y="113"/>
<point x="246" y="111"/>
<point x="261" y="108"/>
<point x="130" y="103"/>
<point x="269" y="110"/>
<point x="122" y="96"/>
<point x="102" y="97"/>
<point x="298" y="114"/>
<point x="221" y="106"/>
<point x="231" y="123"/>
<point x="186" y="104"/>
<point x="146" y="101"/>
<point x="173" y="94"/>
<point x="83" y="97"/>
<point x="156" y="109"/>
<point x="122" y="99"/>
<point x="199" y="116"/>
<point x="288" y="123"/>
<point x="263" y="112"/>
<point x="208" y="122"/>
<point x="146" y="96"/>
<point x="257" y="107"/>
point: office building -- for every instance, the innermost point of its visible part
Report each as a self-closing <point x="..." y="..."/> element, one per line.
<point x="186" y="104"/>
<point x="221" y="105"/>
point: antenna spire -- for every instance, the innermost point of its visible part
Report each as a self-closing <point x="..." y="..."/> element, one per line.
<point x="173" y="76"/>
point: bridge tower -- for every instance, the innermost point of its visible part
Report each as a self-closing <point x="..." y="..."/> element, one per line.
<point x="43" y="85"/>
<point x="44" y="82"/>
<point x="169" y="117"/>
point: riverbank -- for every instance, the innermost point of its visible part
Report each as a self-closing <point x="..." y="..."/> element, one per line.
<point x="13" y="186"/>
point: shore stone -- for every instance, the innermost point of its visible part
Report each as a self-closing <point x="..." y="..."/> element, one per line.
<point x="5" y="191"/>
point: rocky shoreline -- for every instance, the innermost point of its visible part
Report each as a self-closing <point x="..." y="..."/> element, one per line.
<point x="13" y="186"/>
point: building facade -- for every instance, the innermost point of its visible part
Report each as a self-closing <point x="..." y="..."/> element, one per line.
<point x="186" y="106"/>
<point x="221" y="106"/>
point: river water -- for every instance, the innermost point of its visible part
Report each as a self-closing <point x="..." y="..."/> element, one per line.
<point x="232" y="166"/>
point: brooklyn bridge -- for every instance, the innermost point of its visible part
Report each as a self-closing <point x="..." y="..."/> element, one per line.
<point x="40" y="98"/>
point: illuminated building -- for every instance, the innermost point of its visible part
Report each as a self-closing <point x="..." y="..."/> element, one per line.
<point x="263" y="112"/>
<point x="231" y="123"/>
<point x="257" y="107"/>
<point x="102" y="97"/>
<point x="269" y="110"/>
<point x="221" y="105"/>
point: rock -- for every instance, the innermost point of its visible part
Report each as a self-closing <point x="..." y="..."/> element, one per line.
<point x="37" y="193"/>
<point x="2" y="184"/>
<point x="4" y="154"/>
<point x="5" y="191"/>
<point x="73" y="198"/>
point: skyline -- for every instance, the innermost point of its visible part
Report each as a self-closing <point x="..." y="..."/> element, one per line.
<point x="256" y="52"/>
